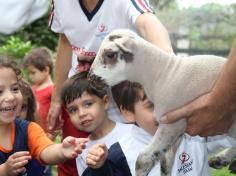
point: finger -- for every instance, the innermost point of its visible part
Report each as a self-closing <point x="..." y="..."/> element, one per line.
<point x="90" y="162"/>
<point x="20" y="163"/>
<point x="51" y="121"/>
<point x="71" y="140"/>
<point x="103" y="146"/>
<point x="20" y="170"/>
<point x="82" y="140"/>
<point x="176" y="115"/>
<point x="20" y="154"/>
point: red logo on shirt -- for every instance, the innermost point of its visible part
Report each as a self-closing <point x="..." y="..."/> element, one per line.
<point x="102" y="28"/>
<point x="184" y="157"/>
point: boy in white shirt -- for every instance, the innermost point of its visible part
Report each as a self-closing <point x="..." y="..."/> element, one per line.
<point x="87" y="107"/>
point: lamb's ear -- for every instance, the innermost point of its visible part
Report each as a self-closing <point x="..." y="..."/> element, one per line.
<point x="124" y="44"/>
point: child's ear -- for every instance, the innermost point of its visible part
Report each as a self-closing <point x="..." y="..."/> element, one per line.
<point x="128" y="115"/>
<point x="106" y="101"/>
<point x="47" y="69"/>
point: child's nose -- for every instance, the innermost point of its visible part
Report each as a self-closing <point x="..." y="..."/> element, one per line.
<point x="9" y="96"/>
<point x="82" y="112"/>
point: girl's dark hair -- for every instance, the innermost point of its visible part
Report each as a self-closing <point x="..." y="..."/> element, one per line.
<point x="75" y="86"/>
<point x="28" y="95"/>
<point x="7" y="61"/>
<point x="40" y="58"/>
<point x="126" y="94"/>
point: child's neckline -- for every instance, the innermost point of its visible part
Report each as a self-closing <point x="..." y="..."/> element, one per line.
<point x="105" y="134"/>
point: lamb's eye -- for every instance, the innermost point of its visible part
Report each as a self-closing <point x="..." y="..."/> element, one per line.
<point x="111" y="55"/>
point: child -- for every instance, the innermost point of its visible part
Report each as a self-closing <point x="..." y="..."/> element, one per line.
<point x="28" y="108"/>
<point x="28" y="112"/>
<point x="135" y="107"/>
<point x="40" y="67"/>
<point x="191" y="158"/>
<point x="21" y="140"/>
<point x="87" y="107"/>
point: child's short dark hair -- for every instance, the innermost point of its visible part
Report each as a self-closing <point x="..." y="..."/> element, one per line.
<point x="40" y="58"/>
<point x="75" y="86"/>
<point x="126" y="94"/>
<point x="7" y="61"/>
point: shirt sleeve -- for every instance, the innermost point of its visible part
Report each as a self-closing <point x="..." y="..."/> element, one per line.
<point x="54" y="19"/>
<point x="138" y="7"/>
<point x="37" y="140"/>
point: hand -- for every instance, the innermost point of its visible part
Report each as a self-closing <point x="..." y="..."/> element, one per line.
<point x="205" y="116"/>
<point x="72" y="146"/>
<point x="15" y="164"/>
<point x="97" y="156"/>
<point x="53" y="116"/>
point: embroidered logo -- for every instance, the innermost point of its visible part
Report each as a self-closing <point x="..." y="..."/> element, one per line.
<point x="185" y="163"/>
<point x="184" y="157"/>
<point x="102" y="28"/>
<point x="102" y="31"/>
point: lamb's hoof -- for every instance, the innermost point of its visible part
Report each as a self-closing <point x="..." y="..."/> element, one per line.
<point x="232" y="167"/>
<point x="218" y="162"/>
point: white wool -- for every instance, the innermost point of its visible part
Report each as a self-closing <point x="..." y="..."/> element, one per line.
<point x="169" y="81"/>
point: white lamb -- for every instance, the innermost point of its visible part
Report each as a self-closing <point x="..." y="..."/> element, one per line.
<point x="169" y="81"/>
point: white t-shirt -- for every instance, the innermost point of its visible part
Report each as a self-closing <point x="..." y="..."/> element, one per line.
<point x="132" y="144"/>
<point x="85" y="31"/>
<point x="15" y="14"/>
<point x="118" y="132"/>
<point x="191" y="158"/>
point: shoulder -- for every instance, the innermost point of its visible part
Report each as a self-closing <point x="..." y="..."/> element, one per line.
<point x="117" y="159"/>
<point x="123" y="127"/>
<point x="116" y="154"/>
<point x="21" y="124"/>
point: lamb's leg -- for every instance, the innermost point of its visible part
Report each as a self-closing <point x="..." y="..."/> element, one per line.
<point x="170" y="155"/>
<point x="223" y="158"/>
<point x="165" y="137"/>
<point x="226" y="156"/>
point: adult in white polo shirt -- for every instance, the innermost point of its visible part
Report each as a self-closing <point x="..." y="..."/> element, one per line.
<point x="83" y="24"/>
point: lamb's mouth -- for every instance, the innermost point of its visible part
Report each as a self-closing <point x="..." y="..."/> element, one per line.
<point x="97" y="82"/>
<point x="84" y="65"/>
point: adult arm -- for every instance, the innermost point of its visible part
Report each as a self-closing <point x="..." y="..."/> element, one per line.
<point x="151" y="28"/>
<point x="62" y="67"/>
<point x="211" y="114"/>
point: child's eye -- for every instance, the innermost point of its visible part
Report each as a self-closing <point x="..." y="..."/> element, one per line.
<point x="88" y="104"/>
<point x="72" y="110"/>
<point x="150" y="106"/>
<point x="15" y="89"/>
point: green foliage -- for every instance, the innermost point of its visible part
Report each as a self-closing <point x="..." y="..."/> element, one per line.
<point x="37" y="33"/>
<point x="221" y="172"/>
<point x="209" y="28"/>
<point x="16" y="48"/>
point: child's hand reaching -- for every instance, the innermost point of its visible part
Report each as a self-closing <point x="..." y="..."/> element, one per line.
<point x="72" y="146"/>
<point x="97" y="156"/>
<point x="15" y="164"/>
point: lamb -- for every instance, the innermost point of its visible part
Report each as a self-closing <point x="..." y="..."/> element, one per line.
<point x="169" y="82"/>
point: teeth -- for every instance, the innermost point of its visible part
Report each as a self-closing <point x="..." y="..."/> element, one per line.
<point x="8" y="109"/>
